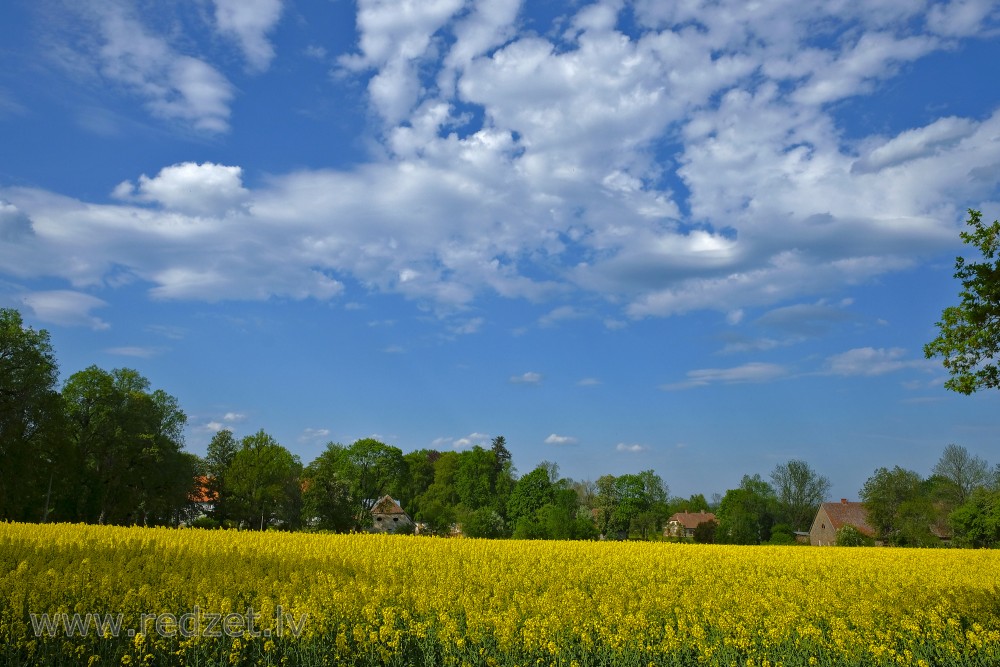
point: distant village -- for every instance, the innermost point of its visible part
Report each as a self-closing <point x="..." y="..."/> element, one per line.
<point x="107" y="448"/>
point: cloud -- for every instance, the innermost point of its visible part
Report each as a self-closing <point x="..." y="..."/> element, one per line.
<point x="530" y="378"/>
<point x="66" y="308"/>
<point x="659" y="172"/>
<point x="314" y="434"/>
<point x="394" y="349"/>
<point x="748" y="373"/>
<point x="941" y="135"/>
<point x="175" y="86"/>
<point x="471" y="440"/>
<point x="554" y="439"/>
<point x="560" y="314"/>
<point x="249" y="21"/>
<point x="135" y="351"/>
<point x="15" y="225"/>
<point x="630" y="448"/>
<point x="469" y="326"/>
<point x="869" y="361"/>
<point x="805" y="320"/>
<point x="197" y="189"/>
<point x="588" y="382"/>
<point x="233" y="417"/>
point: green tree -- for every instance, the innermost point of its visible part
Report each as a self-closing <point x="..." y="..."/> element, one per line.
<point x="898" y="507"/>
<point x="704" y="532"/>
<point x="747" y="514"/>
<point x="262" y="482"/>
<point x="417" y="478"/>
<point x="976" y="523"/>
<point x="438" y="504"/>
<point x="965" y="472"/>
<point x="222" y="449"/>
<point x="32" y="447"/>
<point x="475" y="477"/>
<point x="850" y="536"/>
<point x="800" y="491"/>
<point x="125" y="443"/>
<point x="375" y="469"/>
<point x="531" y="492"/>
<point x="969" y="333"/>
<point x="326" y="496"/>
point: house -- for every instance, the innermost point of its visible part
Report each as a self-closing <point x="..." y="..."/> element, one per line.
<point x="388" y="516"/>
<point x="682" y="524"/>
<point x="831" y="517"/>
<point x="201" y="498"/>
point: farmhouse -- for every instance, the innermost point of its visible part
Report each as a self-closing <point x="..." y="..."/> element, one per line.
<point x="831" y="517"/>
<point x="388" y="516"/>
<point x="682" y="524"/>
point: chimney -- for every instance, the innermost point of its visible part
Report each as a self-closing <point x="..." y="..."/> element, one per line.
<point x="843" y="501"/>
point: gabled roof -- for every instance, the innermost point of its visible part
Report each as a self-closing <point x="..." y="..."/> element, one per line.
<point x="691" y="520"/>
<point x="848" y="514"/>
<point x="387" y="505"/>
<point x="201" y="492"/>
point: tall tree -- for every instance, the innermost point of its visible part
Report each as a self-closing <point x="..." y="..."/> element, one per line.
<point x="222" y="449"/>
<point x="898" y="507"/>
<point x="474" y="480"/>
<point x="375" y="467"/>
<point x="747" y="514"/>
<point x="31" y="442"/>
<point x="124" y="440"/>
<point x="976" y="522"/>
<point x="800" y="491"/>
<point x="262" y="481"/>
<point x="417" y="478"/>
<point x="501" y="452"/>
<point x="330" y="501"/>
<point x="964" y="471"/>
<point x="531" y="492"/>
<point x="969" y="338"/>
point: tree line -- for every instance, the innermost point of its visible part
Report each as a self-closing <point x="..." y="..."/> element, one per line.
<point x="108" y="448"/>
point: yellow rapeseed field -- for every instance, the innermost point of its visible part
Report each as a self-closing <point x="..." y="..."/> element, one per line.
<point x="72" y="594"/>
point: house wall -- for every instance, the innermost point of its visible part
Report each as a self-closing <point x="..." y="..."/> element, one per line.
<point x="822" y="533"/>
<point x="386" y="523"/>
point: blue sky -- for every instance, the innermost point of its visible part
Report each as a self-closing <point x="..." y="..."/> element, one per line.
<point x="699" y="237"/>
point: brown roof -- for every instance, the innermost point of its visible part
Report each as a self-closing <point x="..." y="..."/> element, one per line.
<point x="692" y="519"/>
<point x="849" y="514"/>
<point x="386" y="505"/>
<point x="201" y="492"/>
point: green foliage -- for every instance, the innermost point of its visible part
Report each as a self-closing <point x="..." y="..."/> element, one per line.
<point x="474" y="479"/>
<point x="631" y="502"/>
<point x="205" y="522"/>
<point x="782" y="533"/>
<point x="532" y="492"/>
<point x="222" y="449"/>
<point x="977" y="521"/>
<point x="32" y="446"/>
<point x="964" y="472"/>
<point x="747" y="514"/>
<point x="704" y="532"/>
<point x="417" y="477"/>
<point x="263" y="482"/>
<point x="969" y="337"/>
<point x="126" y="450"/>
<point x="800" y="491"/>
<point x="899" y="508"/>
<point x="375" y="468"/>
<point x="850" y="536"/>
<point x="482" y="522"/>
<point x="327" y="503"/>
